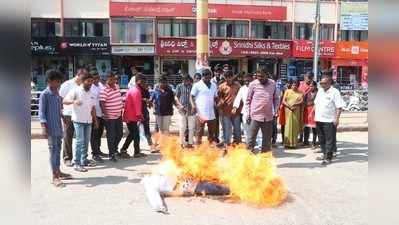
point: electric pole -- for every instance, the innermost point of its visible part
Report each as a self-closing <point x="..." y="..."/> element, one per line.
<point x="316" y="41"/>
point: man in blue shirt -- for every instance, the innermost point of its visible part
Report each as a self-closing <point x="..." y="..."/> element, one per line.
<point x="50" y="110"/>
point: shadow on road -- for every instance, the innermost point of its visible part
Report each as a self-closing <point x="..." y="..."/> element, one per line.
<point x="124" y="164"/>
<point x="282" y="152"/>
<point x="347" y="152"/>
<point x="96" y="181"/>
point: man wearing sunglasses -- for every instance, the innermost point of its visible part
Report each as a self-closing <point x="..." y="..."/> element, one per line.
<point x="328" y="107"/>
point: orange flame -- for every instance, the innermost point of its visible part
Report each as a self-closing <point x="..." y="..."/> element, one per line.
<point x="251" y="178"/>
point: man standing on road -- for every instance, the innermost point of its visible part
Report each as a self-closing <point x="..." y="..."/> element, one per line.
<point x="66" y="87"/>
<point x="111" y="107"/>
<point x="187" y="116"/>
<point x="164" y="100"/>
<point x="261" y="99"/>
<point x="83" y="115"/>
<point x="241" y="99"/>
<point x="202" y="99"/>
<point x="328" y="107"/>
<point x="230" y="120"/>
<point x="50" y="109"/>
<point x="96" y="134"/>
<point x="132" y="115"/>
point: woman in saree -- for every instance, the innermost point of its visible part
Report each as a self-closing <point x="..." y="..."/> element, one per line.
<point x="281" y="111"/>
<point x="292" y="102"/>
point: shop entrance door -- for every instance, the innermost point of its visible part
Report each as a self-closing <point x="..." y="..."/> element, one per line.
<point x="349" y="77"/>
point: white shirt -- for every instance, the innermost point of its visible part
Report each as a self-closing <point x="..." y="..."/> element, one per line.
<point x="205" y="99"/>
<point x="326" y="104"/>
<point x="96" y="90"/>
<point x="82" y="113"/>
<point x="242" y="96"/>
<point x="132" y="82"/>
<point x="65" y="88"/>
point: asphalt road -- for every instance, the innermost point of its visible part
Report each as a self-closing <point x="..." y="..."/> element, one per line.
<point x="111" y="194"/>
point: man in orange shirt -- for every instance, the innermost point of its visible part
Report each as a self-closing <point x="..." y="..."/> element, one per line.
<point x="230" y="120"/>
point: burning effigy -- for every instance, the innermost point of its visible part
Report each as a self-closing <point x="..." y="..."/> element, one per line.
<point x="206" y="170"/>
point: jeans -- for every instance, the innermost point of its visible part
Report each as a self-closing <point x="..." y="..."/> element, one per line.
<point x="134" y="135"/>
<point x="306" y="134"/>
<point x="266" y="128"/>
<point x="211" y="130"/>
<point x="147" y="132"/>
<point x="187" y="121"/>
<point x="327" y="138"/>
<point x="217" y="126"/>
<point x="274" y="130"/>
<point x="211" y="189"/>
<point x="114" y="128"/>
<point x="83" y="132"/>
<point x="54" y="146"/>
<point x="68" y="137"/>
<point x="96" y="134"/>
<point x="246" y="127"/>
<point x="230" y="124"/>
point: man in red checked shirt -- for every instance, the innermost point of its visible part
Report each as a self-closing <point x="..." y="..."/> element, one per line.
<point x="132" y="115"/>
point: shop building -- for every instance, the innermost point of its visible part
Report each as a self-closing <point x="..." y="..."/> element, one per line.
<point x="350" y="66"/>
<point x="244" y="39"/>
<point x="69" y="34"/>
<point x="159" y="37"/>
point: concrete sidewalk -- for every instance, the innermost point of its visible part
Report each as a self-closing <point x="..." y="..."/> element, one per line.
<point x="350" y="121"/>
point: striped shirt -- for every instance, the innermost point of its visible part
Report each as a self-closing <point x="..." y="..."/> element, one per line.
<point x="183" y="94"/>
<point x="50" y="110"/>
<point x="261" y="100"/>
<point x="112" y="100"/>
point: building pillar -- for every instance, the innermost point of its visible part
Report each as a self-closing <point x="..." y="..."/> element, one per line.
<point x="157" y="68"/>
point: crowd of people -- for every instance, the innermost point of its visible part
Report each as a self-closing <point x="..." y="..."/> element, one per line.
<point x="241" y="104"/>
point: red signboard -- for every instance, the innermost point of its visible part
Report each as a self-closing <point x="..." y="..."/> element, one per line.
<point x="305" y="49"/>
<point x="188" y="10"/>
<point x="225" y="47"/>
<point x="176" y="47"/>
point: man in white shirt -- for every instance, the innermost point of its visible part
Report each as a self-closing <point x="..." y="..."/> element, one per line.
<point x="328" y="107"/>
<point x="96" y="134"/>
<point x="132" y="81"/>
<point x="65" y="88"/>
<point x="83" y="115"/>
<point x="241" y="99"/>
<point x="202" y="99"/>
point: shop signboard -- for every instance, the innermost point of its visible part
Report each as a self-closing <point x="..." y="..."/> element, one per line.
<point x="231" y="11"/>
<point x="354" y="16"/>
<point x="71" y="46"/>
<point x="176" y="47"/>
<point x="268" y="48"/>
<point x="352" y="50"/>
<point x="305" y="49"/>
<point x="44" y="46"/>
<point x="225" y="47"/>
<point x="86" y="46"/>
<point x="133" y="50"/>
